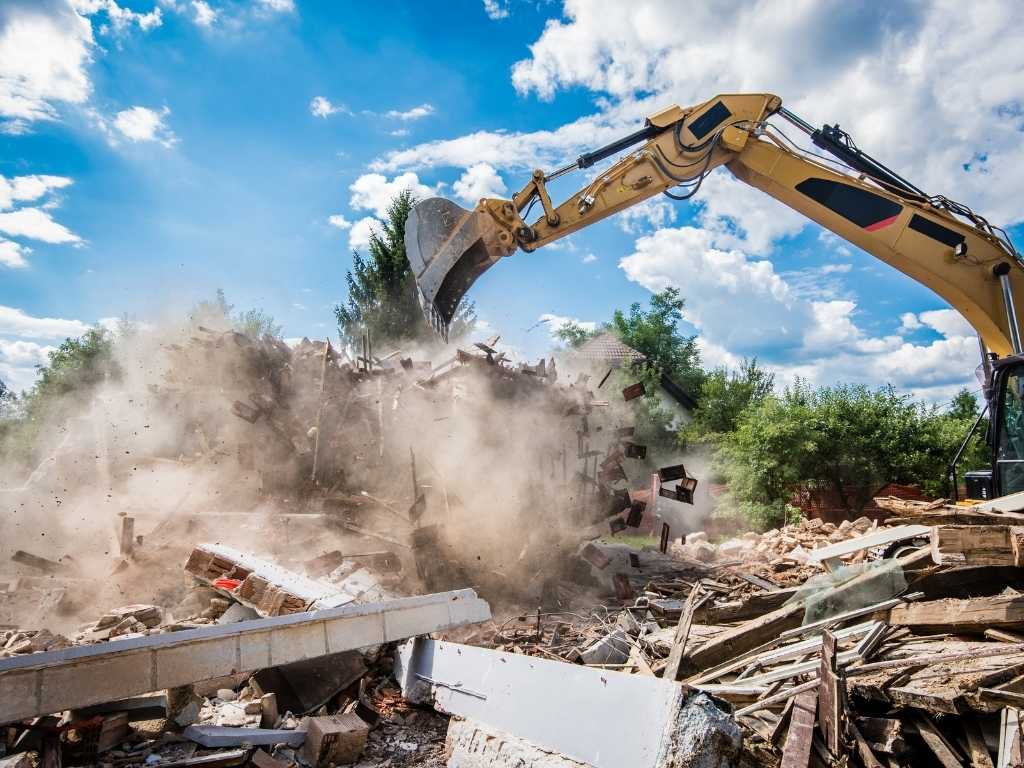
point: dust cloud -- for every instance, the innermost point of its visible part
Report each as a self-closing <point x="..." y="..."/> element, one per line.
<point x="472" y="471"/>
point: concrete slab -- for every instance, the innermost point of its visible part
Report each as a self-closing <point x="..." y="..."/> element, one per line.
<point x="72" y="678"/>
<point x="218" y="737"/>
<point x="617" y="719"/>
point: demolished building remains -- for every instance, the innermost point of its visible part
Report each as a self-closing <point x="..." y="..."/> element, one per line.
<point x="381" y="561"/>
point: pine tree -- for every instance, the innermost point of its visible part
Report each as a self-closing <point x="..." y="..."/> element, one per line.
<point x="382" y="289"/>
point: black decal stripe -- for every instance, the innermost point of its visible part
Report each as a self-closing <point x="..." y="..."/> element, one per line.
<point x="863" y="208"/>
<point x="710" y="120"/>
<point x="935" y="231"/>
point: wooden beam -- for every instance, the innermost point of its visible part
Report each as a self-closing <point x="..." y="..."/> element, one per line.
<point x="1009" y="739"/>
<point x="743" y="638"/>
<point x="830" y="696"/>
<point x="977" y="752"/>
<point x="797" y="752"/>
<point x="748" y="608"/>
<point x="673" y="669"/>
<point x="937" y="743"/>
<point x="958" y="616"/>
<point x="839" y="618"/>
<point x="977" y="545"/>
<point x="867" y="757"/>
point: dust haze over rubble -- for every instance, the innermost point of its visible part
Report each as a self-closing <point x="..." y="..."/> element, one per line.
<point x="207" y="434"/>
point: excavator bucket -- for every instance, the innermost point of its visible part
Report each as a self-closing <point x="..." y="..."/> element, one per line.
<point x="448" y="249"/>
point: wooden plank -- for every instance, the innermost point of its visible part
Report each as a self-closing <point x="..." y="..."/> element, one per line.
<point x="1003" y="636"/>
<point x="1009" y="739"/>
<point x="937" y="743"/>
<point x="673" y="669"/>
<point x="797" y="752"/>
<point x="977" y="751"/>
<point x="839" y="618"/>
<point x="776" y="698"/>
<point x="960" y="615"/>
<point x="883" y="734"/>
<point x="830" y="696"/>
<point x="977" y="545"/>
<point x="748" y="635"/>
<point x="918" y="675"/>
<point x="867" y="757"/>
<point x="868" y="541"/>
<point x="748" y="608"/>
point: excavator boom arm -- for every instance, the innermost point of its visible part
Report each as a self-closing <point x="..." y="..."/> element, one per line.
<point x="965" y="262"/>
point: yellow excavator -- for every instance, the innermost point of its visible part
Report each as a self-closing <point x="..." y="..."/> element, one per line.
<point x="942" y="244"/>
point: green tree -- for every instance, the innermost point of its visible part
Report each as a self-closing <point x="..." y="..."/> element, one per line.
<point x="724" y="396"/>
<point x="574" y="334"/>
<point x="655" y="334"/>
<point x="846" y="439"/>
<point x="254" y="323"/>
<point x="382" y="296"/>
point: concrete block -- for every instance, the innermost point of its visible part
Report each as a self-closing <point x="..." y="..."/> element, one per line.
<point x="338" y="739"/>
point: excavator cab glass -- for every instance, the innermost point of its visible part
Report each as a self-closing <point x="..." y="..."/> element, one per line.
<point x="1009" y="458"/>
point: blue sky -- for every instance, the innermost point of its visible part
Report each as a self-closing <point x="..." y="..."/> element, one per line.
<point x="152" y="151"/>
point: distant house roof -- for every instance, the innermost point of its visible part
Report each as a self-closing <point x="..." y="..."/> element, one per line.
<point x="606" y="348"/>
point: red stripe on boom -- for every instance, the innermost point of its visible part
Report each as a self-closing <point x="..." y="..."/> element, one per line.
<point x="881" y="224"/>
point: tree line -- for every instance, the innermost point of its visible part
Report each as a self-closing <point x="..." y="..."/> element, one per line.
<point x="767" y="443"/>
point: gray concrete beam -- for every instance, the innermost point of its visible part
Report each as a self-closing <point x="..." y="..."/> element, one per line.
<point x="43" y="683"/>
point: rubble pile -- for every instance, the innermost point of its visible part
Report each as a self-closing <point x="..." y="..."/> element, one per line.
<point x="303" y="596"/>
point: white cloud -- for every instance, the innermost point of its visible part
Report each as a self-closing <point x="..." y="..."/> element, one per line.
<point x="339" y="221"/>
<point x="118" y="17"/>
<point x="556" y="322"/>
<point x="36" y="224"/>
<point x="28" y="188"/>
<point x="741" y="216"/>
<point x="205" y="16"/>
<point x="875" y="74"/>
<point x="44" y="51"/>
<point x="278" y="6"/>
<point x="18" y="361"/>
<point x="144" y="124"/>
<point x="399" y="132"/>
<point x="480" y="180"/>
<point x="833" y="269"/>
<point x="496" y="9"/>
<point x="416" y="113"/>
<point x="909" y="322"/>
<point x="15" y="322"/>
<point x="373" y="191"/>
<point x="507" y="150"/>
<point x="650" y="214"/>
<point x="359" y="235"/>
<point x="12" y="254"/>
<point x="948" y="322"/>
<point x="320" y="106"/>
<point x="742" y="307"/>
<point x="589" y="258"/>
